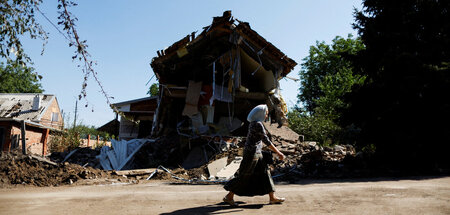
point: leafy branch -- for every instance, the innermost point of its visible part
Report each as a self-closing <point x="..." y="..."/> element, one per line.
<point x="67" y="20"/>
<point x="16" y="19"/>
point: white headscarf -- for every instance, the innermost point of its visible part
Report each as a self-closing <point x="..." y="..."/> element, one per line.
<point x="257" y="114"/>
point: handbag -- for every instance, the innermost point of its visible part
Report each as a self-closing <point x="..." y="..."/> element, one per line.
<point x="267" y="157"/>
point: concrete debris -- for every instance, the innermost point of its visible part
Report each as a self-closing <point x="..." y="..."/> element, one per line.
<point x="228" y="171"/>
<point x="216" y="166"/>
<point x="284" y="133"/>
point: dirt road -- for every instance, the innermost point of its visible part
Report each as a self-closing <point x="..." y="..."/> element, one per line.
<point x="378" y="196"/>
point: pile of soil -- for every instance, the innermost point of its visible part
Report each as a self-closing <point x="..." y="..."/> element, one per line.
<point x="16" y="168"/>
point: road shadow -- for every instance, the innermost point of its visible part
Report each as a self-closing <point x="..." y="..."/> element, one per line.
<point x="307" y="181"/>
<point x="219" y="208"/>
<point x="312" y="180"/>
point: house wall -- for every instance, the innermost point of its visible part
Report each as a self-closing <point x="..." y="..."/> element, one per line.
<point x="46" y="118"/>
<point x="33" y="136"/>
<point x="128" y="130"/>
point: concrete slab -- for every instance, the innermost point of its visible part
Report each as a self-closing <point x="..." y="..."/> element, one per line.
<point x="228" y="171"/>
<point x="217" y="165"/>
<point x="284" y="132"/>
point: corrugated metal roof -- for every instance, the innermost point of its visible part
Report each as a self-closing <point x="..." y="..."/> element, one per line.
<point x="19" y="105"/>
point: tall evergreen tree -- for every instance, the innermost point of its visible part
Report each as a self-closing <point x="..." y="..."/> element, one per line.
<point x="404" y="108"/>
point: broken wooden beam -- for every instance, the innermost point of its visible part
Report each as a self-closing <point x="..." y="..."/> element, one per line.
<point x="41" y="159"/>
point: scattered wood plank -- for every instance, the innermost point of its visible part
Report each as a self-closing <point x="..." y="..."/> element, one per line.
<point x="44" y="160"/>
<point x="135" y="172"/>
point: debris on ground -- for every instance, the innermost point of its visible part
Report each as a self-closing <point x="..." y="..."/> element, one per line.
<point x="217" y="160"/>
<point x="16" y="168"/>
<point x="83" y="156"/>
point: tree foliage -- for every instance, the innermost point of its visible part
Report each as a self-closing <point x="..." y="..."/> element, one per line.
<point x="154" y="90"/>
<point x="17" y="18"/>
<point x="19" y="79"/>
<point x="326" y="76"/>
<point x="403" y="108"/>
<point x="315" y="127"/>
<point x="327" y="73"/>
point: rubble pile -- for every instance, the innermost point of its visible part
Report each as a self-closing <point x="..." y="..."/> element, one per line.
<point x="303" y="159"/>
<point x="16" y="168"/>
<point x="164" y="151"/>
<point x="216" y="159"/>
<point x="83" y="156"/>
<point x="306" y="159"/>
<point x="310" y="160"/>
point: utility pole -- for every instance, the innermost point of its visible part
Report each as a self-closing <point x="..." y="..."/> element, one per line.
<point x="76" y="110"/>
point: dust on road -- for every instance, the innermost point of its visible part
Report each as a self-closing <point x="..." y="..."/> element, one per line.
<point x="376" y="196"/>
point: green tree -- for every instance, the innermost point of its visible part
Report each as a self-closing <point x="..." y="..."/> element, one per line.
<point x="326" y="76"/>
<point x="403" y="109"/>
<point x="315" y="127"/>
<point x="19" y="79"/>
<point x="154" y="90"/>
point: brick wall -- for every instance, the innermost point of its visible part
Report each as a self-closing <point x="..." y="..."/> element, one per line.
<point x="46" y="118"/>
<point x="33" y="139"/>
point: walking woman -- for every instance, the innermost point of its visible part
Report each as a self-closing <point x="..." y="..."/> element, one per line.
<point x="253" y="177"/>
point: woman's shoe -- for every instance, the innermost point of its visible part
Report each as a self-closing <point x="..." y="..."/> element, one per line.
<point x="230" y="202"/>
<point x="277" y="201"/>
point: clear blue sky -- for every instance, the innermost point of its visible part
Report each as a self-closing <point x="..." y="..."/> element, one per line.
<point x="123" y="37"/>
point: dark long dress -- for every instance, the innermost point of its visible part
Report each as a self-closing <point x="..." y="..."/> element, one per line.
<point x="253" y="177"/>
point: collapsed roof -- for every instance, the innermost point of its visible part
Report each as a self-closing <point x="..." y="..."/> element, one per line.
<point x="191" y="56"/>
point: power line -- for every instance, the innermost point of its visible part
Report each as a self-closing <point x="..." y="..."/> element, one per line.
<point x="56" y="27"/>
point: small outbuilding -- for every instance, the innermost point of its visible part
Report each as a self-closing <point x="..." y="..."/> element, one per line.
<point x="136" y="117"/>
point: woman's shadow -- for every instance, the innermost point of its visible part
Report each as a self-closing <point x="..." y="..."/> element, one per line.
<point x="215" y="209"/>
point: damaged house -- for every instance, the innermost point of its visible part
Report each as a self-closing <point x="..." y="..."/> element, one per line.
<point x="28" y="119"/>
<point x="209" y="82"/>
